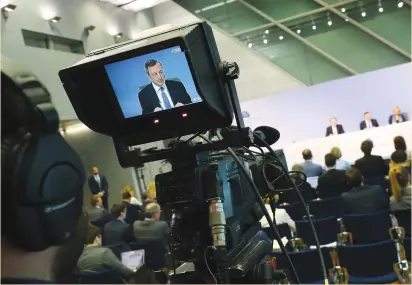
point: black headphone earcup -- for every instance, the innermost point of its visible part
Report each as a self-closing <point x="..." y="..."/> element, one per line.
<point x="49" y="179"/>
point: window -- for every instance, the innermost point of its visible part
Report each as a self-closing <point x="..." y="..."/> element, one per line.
<point x="39" y="40"/>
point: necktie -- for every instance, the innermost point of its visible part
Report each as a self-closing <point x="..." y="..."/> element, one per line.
<point x="165" y="99"/>
<point x="97" y="179"/>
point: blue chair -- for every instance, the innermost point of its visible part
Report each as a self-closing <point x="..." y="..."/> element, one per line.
<point x="295" y="210"/>
<point x="290" y="196"/>
<point x="327" y="230"/>
<point x="155" y="253"/>
<point x="119" y="248"/>
<point x="283" y="230"/>
<point x="404" y="220"/>
<point x="110" y="276"/>
<point x="378" y="180"/>
<point x="326" y="207"/>
<point x="368" y="228"/>
<point x="369" y="263"/>
<point x="307" y="264"/>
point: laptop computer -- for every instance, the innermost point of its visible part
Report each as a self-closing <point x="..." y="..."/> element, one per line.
<point x="133" y="259"/>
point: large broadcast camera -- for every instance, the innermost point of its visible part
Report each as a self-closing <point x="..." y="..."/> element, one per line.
<point x="214" y="203"/>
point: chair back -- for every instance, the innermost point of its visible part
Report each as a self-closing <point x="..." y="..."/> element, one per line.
<point x="326" y="229"/>
<point x="404" y="220"/>
<point x="119" y="248"/>
<point x="378" y="180"/>
<point x="368" y="260"/>
<point x="295" y="210"/>
<point x="155" y="252"/>
<point x="110" y="276"/>
<point x="306" y="264"/>
<point x="368" y="228"/>
<point x="322" y="208"/>
<point x="283" y="230"/>
<point x="290" y="196"/>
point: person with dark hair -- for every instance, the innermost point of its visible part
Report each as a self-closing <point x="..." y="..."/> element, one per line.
<point x="400" y="145"/>
<point x="134" y="212"/>
<point x="161" y="94"/>
<point x="96" y="212"/>
<point x="98" y="185"/>
<point x="333" y="182"/>
<point x="368" y="122"/>
<point x="397" y="116"/>
<point x="362" y="199"/>
<point x="400" y="179"/>
<point x="371" y="165"/>
<point x="96" y="258"/>
<point x="340" y="163"/>
<point x="334" y="128"/>
<point x="117" y="230"/>
<point x="310" y="168"/>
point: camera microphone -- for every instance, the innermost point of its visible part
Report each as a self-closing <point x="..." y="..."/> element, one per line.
<point x="268" y="134"/>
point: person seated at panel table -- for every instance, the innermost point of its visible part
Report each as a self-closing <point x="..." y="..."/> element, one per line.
<point x="334" y="128"/>
<point x="333" y="182"/>
<point x="362" y="199"/>
<point x="341" y="164"/>
<point x="368" y="122"/>
<point x="310" y="168"/>
<point x="400" y="179"/>
<point x="397" y="116"/>
<point x="371" y="165"/>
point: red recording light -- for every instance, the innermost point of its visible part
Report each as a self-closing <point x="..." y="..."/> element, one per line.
<point x="184" y="115"/>
<point x="156" y="121"/>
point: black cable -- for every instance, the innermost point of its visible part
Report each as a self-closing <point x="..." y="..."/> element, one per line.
<point x="302" y="201"/>
<point x="264" y="210"/>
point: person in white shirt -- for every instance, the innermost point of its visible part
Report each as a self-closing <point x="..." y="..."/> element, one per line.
<point x="334" y="128"/>
<point x="281" y="217"/>
<point x="129" y="189"/>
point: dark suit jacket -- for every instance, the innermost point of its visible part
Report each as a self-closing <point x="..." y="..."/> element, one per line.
<point x="332" y="183"/>
<point x="372" y="166"/>
<point x="373" y="121"/>
<point x="133" y="213"/>
<point x="94" y="186"/>
<point x="149" y="101"/>
<point x="392" y="118"/>
<point x="365" y="199"/>
<point x="116" y="232"/>
<point x="338" y="127"/>
<point x="151" y="230"/>
<point x="98" y="214"/>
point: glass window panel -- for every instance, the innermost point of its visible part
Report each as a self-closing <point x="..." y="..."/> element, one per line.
<point x="228" y="15"/>
<point x="347" y="43"/>
<point x="281" y="9"/>
<point x="35" y="39"/>
<point x="68" y="45"/>
<point x="385" y="18"/>
<point x="293" y="56"/>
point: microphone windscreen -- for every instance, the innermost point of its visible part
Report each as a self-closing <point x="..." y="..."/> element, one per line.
<point x="270" y="135"/>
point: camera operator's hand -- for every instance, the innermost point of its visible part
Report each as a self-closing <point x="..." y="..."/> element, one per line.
<point x="157" y="109"/>
<point x="178" y="104"/>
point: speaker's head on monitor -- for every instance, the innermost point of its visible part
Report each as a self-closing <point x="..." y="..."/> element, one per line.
<point x="163" y="86"/>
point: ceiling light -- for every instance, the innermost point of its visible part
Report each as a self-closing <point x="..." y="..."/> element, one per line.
<point x="380" y="9"/>
<point x="400" y="4"/>
<point x="343" y="10"/>
<point x="55" y="19"/>
<point x="250" y="45"/>
<point x="280" y="37"/>
<point x="265" y="41"/>
<point x="267" y="32"/>
<point x="329" y="23"/>
<point x="89" y="28"/>
<point x="9" y="8"/>
<point x="313" y="27"/>
<point x="363" y="14"/>
<point x="118" y="35"/>
<point x="346" y="19"/>
<point x="298" y="31"/>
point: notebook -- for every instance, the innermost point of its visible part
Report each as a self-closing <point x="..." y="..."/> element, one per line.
<point x="133" y="259"/>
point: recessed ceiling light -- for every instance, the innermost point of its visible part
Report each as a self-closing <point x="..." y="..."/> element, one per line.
<point x="267" y="32"/>
<point x="343" y="10"/>
<point x="313" y="27"/>
<point x="250" y="45"/>
<point x="298" y="31"/>
<point x="265" y="41"/>
<point x="280" y="37"/>
<point x="400" y="4"/>
<point x="329" y="23"/>
<point x="380" y="9"/>
<point x="363" y="14"/>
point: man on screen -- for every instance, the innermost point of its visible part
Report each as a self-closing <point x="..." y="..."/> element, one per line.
<point x="161" y="94"/>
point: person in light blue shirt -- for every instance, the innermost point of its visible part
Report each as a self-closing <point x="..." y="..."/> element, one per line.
<point x="340" y="163"/>
<point x="310" y="168"/>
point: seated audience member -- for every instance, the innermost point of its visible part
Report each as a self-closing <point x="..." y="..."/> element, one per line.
<point x="400" y="144"/>
<point x="96" y="212"/>
<point x="340" y="163"/>
<point x="133" y="212"/>
<point x="281" y="217"/>
<point x="151" y="228"/>
<point x="400" y="179"/>
<point x="333" y="182"/>
<point x="334" y="128"/>
<point x="129" y="189"/>
<point x="362" y="199"/>
<point x="368" y="122"/>
<point x="310" y="168"/>
<point x="399" y="157"/>
<point x="397" y="117"/>
<point x="303" y="185"/>
<point x="96" y="258"/>
<point x="371" y="165"/>
<point x="117" y="230"/>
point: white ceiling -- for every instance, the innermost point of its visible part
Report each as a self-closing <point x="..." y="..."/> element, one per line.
<point x="136" y="5"/>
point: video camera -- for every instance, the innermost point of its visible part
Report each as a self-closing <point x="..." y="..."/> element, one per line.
<point x="171" y="85"/>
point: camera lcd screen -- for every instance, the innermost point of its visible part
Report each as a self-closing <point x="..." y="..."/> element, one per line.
<point x="153" y="82"/>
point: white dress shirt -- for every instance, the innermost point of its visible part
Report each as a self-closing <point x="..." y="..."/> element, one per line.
<point x="334" y="130"/>
<point x="281" y="217"/>
<point x="97" y="178"/>
<point x="368" y="124"/>
<point x="159" y="95"/>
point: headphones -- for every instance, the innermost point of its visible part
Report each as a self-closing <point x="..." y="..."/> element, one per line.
<point x="42" y="176"/>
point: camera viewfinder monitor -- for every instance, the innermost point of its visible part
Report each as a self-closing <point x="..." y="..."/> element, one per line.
<point x="163" y="86"/>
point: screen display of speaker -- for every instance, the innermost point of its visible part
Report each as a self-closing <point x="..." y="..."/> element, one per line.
<point x="153" y="82"/>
